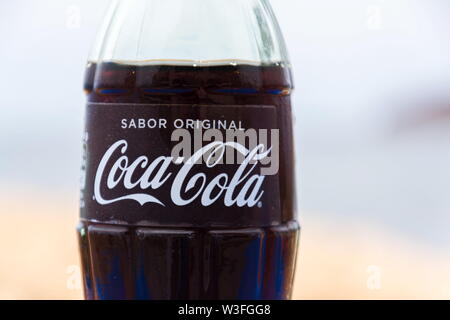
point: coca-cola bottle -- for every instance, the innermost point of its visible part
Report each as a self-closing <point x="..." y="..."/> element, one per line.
<point x="188" y="172"/>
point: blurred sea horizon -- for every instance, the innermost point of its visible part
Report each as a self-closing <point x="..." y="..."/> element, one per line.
<point x="336" y="260"/>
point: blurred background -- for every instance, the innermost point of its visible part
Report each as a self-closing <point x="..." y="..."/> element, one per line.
<point x="373" y="123"/>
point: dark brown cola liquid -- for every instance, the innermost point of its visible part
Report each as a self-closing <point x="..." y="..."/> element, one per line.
<point x="242" y="254"/>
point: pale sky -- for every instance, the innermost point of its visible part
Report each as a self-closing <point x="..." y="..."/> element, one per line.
<point x="359" y="65"/>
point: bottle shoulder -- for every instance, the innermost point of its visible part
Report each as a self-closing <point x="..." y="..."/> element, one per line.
<point x="232" y="78"/>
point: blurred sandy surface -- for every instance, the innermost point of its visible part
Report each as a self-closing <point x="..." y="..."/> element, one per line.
<point x="40" y="258"/>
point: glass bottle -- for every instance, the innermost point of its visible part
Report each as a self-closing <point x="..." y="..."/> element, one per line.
<point x="164" y="68"/>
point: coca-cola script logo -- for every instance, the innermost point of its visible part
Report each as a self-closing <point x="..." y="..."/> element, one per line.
<point x="244" y="187"/>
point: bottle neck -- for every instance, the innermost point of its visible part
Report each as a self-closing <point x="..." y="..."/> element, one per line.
<point x="194" y="32"/>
